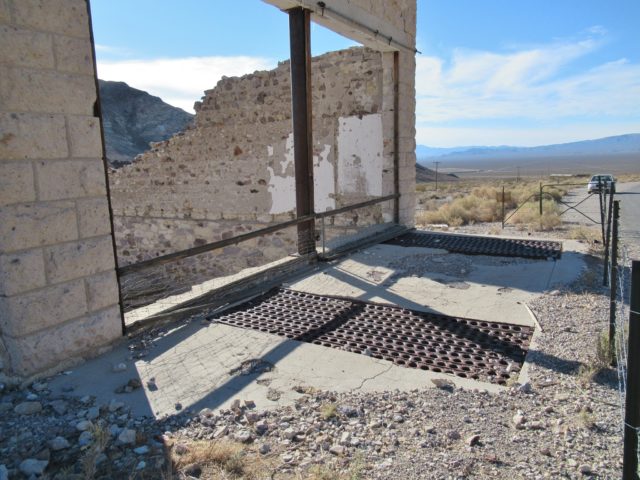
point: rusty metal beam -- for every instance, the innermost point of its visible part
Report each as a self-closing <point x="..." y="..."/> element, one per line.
<point x="396" y="136"/>
<point x="300" y="41"/>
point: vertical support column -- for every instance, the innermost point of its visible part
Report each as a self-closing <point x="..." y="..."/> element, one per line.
<point x="299" y="35"/>
<point x="396" y="136"/>
<point x="632" y="404"/>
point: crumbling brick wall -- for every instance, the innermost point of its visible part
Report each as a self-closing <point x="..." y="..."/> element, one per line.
<point x="233" y="171"/>
<point x="58" y="290"/>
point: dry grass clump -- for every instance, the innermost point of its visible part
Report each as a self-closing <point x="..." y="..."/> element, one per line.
<point x="529" y="215"/>
<point x="469" y="202"/>
<point x="463" y="211"/>
<point x="329" y="410"/>
<point x="99" y="443"/>
<point x="599" y="362"/>
<point x="586" y="234"/>
<point x="355" y="471"/>
<point x="218" y="459"/>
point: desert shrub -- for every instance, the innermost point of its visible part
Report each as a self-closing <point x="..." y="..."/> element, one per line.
<point x="463" y="211"/>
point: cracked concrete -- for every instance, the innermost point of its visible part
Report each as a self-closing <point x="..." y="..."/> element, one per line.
<point x="197" y="364"/>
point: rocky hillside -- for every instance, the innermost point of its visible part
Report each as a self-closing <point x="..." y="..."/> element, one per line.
<point x="133" y="118"/>
<point x="424" y="174"/>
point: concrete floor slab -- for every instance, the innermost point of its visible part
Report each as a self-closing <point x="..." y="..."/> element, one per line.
<point x="480" y="287"/>
<point x="199" y="364"/>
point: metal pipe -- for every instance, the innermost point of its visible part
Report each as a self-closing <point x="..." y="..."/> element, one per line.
<point x="355" y="206"/>
<point x="396" y="136"/>
<point x="98" y="113"/>
<point x="190" y="252"/>
<point x="245" y="236"/>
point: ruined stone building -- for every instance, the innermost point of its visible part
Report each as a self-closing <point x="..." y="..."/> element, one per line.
<point x="233" y="171"/>
<point x="59" y="298"/>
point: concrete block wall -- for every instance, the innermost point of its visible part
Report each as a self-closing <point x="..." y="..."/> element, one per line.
<point x="58" y="289"/>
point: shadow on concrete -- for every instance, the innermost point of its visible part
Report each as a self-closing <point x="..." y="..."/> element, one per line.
<point x="228" y="388"/>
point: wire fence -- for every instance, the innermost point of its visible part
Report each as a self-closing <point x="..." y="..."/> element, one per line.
<point x="621" y="337"/>
<point x="624" y="340"/>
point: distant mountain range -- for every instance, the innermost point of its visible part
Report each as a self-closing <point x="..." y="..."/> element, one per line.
<point x="132" y="119"/>
<point x="621" y="144"/>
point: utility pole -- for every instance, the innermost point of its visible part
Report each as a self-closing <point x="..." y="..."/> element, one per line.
<point x="518" y="174"/>
<point x="437" y="163"/>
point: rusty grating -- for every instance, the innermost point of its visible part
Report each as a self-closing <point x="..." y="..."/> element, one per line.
<point x="472" y="245"/>
<point x="480" y="350"/>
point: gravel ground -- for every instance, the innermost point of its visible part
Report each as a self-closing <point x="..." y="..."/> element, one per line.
<point x="565" y="422"/>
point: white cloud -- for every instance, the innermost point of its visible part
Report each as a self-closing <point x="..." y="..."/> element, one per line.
<point x="525" y="85"/>
<point x="180" y="81"/>
<point x="529" y="136"/>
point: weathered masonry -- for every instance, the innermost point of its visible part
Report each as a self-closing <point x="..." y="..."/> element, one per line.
<point x="233" y="171"/>
<point x="58" y="288"/>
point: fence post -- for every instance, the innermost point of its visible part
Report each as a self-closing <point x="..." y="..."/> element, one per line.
<point x="632" y="404"/>
<point x="541" y="199"/>
<point x="607" y="240"/>
<point x="503" y="206"/>
<point x="613" y="288"/>
<point x="601" y="210"/>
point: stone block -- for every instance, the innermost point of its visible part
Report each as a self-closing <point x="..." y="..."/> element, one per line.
<point x="27" y="313"/>
<point x="73" y="55"/>
<point x="83" y="337"/>
<point x="20" y="272"/>
<point x="31" y="136"/>
<point x="78" y="259"/>
<point x="84" y="136"/>
<point x="93" y="217"/>
<point x="24" y="48"/>
<point x="16" y="183"/>
<point x="66" y="17"/>
<point x="32" y="225"/>
<point x="70" y="179"/>
<point x="102" y="290"/>
<point x="27" y="90"/>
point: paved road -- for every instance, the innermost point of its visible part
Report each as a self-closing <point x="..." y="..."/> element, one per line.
<point x="629" y="196"/>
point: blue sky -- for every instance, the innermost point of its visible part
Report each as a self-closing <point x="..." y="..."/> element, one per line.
<point x="491" y="72"/>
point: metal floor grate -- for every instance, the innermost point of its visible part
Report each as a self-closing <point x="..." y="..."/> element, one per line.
<point x="471" y="245"/>
<point x="467" y="348"/>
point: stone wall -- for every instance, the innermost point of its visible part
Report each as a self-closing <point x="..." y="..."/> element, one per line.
<point x="373" y="23"/>
<point x="233" y="171"/>
<point x="58" y="290"/>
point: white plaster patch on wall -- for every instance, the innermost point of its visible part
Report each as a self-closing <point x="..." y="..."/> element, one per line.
<point x="282" y="186"/>
<point x="270" y="150"/>
<point x="360" y="154"/>
<point x="324" y="181"/>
